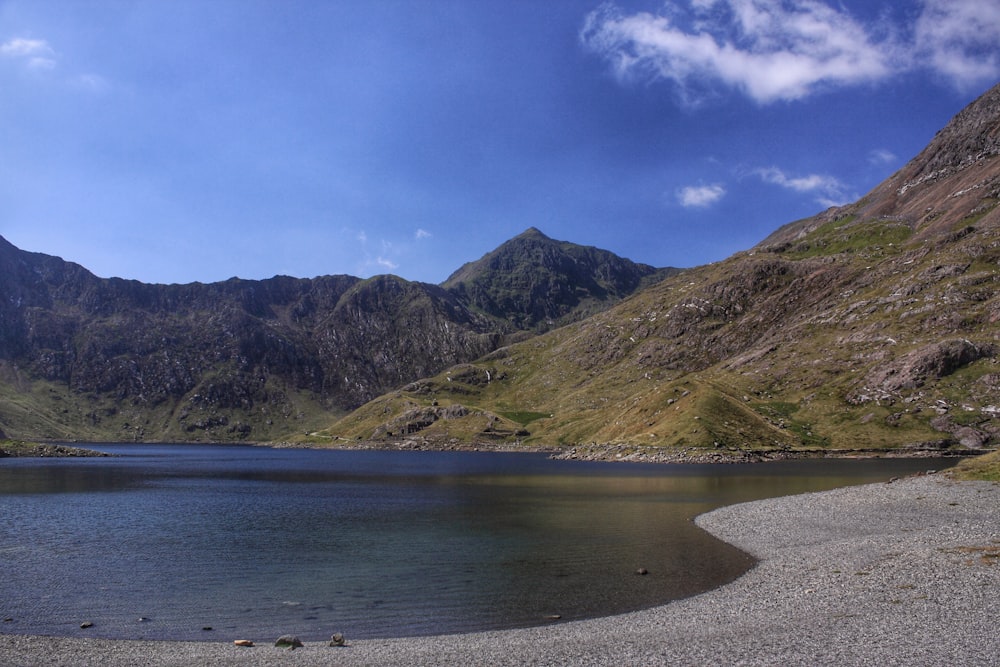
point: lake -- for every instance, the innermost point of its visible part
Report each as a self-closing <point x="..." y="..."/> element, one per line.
<point x="165" y="541"/>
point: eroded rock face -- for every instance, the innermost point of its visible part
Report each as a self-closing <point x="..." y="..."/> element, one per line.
<point x="417" y="419"/>
<point x="972" y="136"/>
<point x="932" y="361"/>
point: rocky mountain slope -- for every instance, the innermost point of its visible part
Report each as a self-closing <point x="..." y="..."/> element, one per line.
<point x="87" y="358"/>
<point x="868" y="326"/>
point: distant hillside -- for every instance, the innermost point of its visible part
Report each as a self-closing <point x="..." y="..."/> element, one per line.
<point x="87" y="358"/>
<point x="869" y="326"/>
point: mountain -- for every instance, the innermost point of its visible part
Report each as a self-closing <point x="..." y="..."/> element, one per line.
<point x="872" y="326"/>
<point x="83" y="357"/>
<point x="535" y="283"/>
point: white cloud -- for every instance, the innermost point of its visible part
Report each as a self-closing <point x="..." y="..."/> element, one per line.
<point x="774" y="50"/>
<point x="21" y="47"/>
<point x="35" y="53"/>
<point x="386" y="263"/>
<point x="960" y="39"/>
<point x="829" y="190"/>
<point x="422" y="234"/>
<point x="770" y="49"/>
<point x="881" y="156"/>
<point x="696" y="196"/>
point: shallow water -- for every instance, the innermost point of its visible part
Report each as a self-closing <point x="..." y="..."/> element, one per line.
<point x="257" y="542"/>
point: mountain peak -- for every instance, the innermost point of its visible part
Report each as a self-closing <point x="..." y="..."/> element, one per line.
<point x="535" y="282"/>
<point x="532" y="233"/>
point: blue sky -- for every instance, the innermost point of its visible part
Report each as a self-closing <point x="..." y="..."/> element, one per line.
<point x="180" y="141"/>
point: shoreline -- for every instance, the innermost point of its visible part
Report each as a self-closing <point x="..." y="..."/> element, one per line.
<point x="622" y="453"/>
<point x="606" y="453"/>
<point x="906" y="572"/>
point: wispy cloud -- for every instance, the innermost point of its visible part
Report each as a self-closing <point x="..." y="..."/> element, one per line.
<point x="770" y="49"/>
<point x="422" y="234"/>
<point x="38" y="54"/>
<point x="881" y="156"/>
<point x="35" y="53"/>
<point x="699" y="196"/>
<point x="91" y="82"/>
<point x="773" y="50"/>
<point x="960" y="39"/>
<point x="828" y="190"/>
<point x="386" y="263"/>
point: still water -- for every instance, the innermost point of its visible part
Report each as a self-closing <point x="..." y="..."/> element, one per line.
<point x="164" y="541"/>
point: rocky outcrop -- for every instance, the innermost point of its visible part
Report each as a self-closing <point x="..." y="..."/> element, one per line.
<point x="16" y="448"/>
<point x="415" y="420"/>
<point x="914" y="369"/>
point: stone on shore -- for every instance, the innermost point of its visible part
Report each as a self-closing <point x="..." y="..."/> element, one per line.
<point x="290" y="642"/>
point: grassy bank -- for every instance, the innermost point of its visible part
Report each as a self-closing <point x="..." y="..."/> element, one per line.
<point x="985" y="467"/>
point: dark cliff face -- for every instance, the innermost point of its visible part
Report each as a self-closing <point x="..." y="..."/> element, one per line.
<point x="386" y="331"/>
<point x="238" y="359"/>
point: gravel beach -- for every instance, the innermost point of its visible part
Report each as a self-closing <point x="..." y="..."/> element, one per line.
<point x="901" y="573"/>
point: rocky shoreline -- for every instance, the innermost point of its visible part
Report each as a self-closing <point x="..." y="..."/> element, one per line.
<point x="19" y="448"/>
<point x="901" y="573"/>
<point x="645" y="453"/>
<point x="585" y="452"/>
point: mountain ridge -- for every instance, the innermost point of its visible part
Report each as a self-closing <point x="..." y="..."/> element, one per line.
<point x="83" y="357"/>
